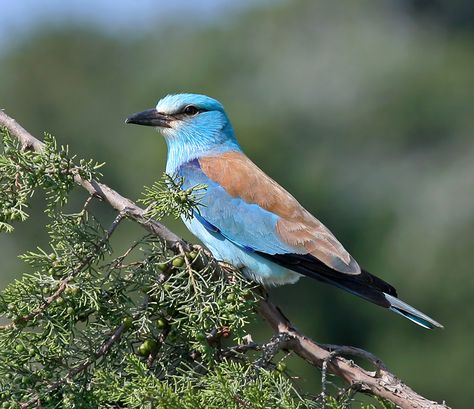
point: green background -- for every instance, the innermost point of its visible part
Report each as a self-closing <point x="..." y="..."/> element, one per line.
<point x="363" y="110"/>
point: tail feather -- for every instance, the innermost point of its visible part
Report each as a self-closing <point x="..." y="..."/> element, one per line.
<point x="364" y="285"/>
<point x="411" y="313"/>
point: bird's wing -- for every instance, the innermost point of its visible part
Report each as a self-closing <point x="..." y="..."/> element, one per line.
<point x="252" y="210"/>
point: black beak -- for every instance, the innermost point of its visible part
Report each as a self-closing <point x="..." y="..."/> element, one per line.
<point x="150" y="117"/>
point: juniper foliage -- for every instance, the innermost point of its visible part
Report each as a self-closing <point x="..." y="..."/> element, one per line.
<point x="86" y="327"/>
<point x="167" y="198"/>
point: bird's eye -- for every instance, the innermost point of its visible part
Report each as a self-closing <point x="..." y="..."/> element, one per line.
<point x="190" y="110"/>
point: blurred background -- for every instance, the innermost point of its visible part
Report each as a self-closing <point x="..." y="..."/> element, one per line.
<point x="363" y="110"/>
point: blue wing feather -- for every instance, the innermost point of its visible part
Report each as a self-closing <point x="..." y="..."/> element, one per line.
<point x="249" y="226"/>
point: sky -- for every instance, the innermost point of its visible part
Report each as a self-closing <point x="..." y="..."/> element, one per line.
<point x="20" y="17"/>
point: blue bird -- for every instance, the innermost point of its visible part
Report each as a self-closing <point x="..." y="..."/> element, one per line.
<point x="248" y="219"/>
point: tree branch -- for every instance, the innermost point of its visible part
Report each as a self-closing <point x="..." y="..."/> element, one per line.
<point x="381" y="382"/>
<point x="117" y="201"/>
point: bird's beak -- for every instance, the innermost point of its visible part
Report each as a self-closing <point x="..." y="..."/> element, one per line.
<point x="150" y="117"/>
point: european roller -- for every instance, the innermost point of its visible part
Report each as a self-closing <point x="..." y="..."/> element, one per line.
<point x="246" y="218"/>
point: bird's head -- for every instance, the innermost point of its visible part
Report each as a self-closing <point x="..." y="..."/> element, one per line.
<point x="188" y="120"/>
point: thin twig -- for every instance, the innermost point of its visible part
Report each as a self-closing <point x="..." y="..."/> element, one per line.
<point x="338" y="350"/>
<point x="104" y="348"/>
<point x="188" y="268"/>
<point x="64" y="282"/>
<point x="161" y="340"/>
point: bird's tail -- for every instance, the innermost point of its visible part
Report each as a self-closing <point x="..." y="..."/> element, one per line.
<point x="411" y="313"/>
<point x="364" y="285"/>
<point x="381" y="293"/>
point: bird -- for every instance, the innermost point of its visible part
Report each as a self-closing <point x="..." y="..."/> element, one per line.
<point x="245" y="217"/>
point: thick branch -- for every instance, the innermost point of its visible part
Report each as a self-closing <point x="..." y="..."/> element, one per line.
<point x="380" y="383"/>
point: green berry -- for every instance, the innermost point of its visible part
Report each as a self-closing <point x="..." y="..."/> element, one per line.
<point x="162" y="266"/>
<point x="150" y="344"/>
<point x="178" y="262"/>
<point x="182" y="197"/>
<point x="192" y="254"/>
<point x="281" y="367"/>
<point x="147" y="346"/>
<point x="127" y="322"/>
<point x="161" y="323"/>
<point x="70" y="311"/>
<point x="59" y="301"/>
<point x="142" y="350"/>
<point x="19" y="348"/>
